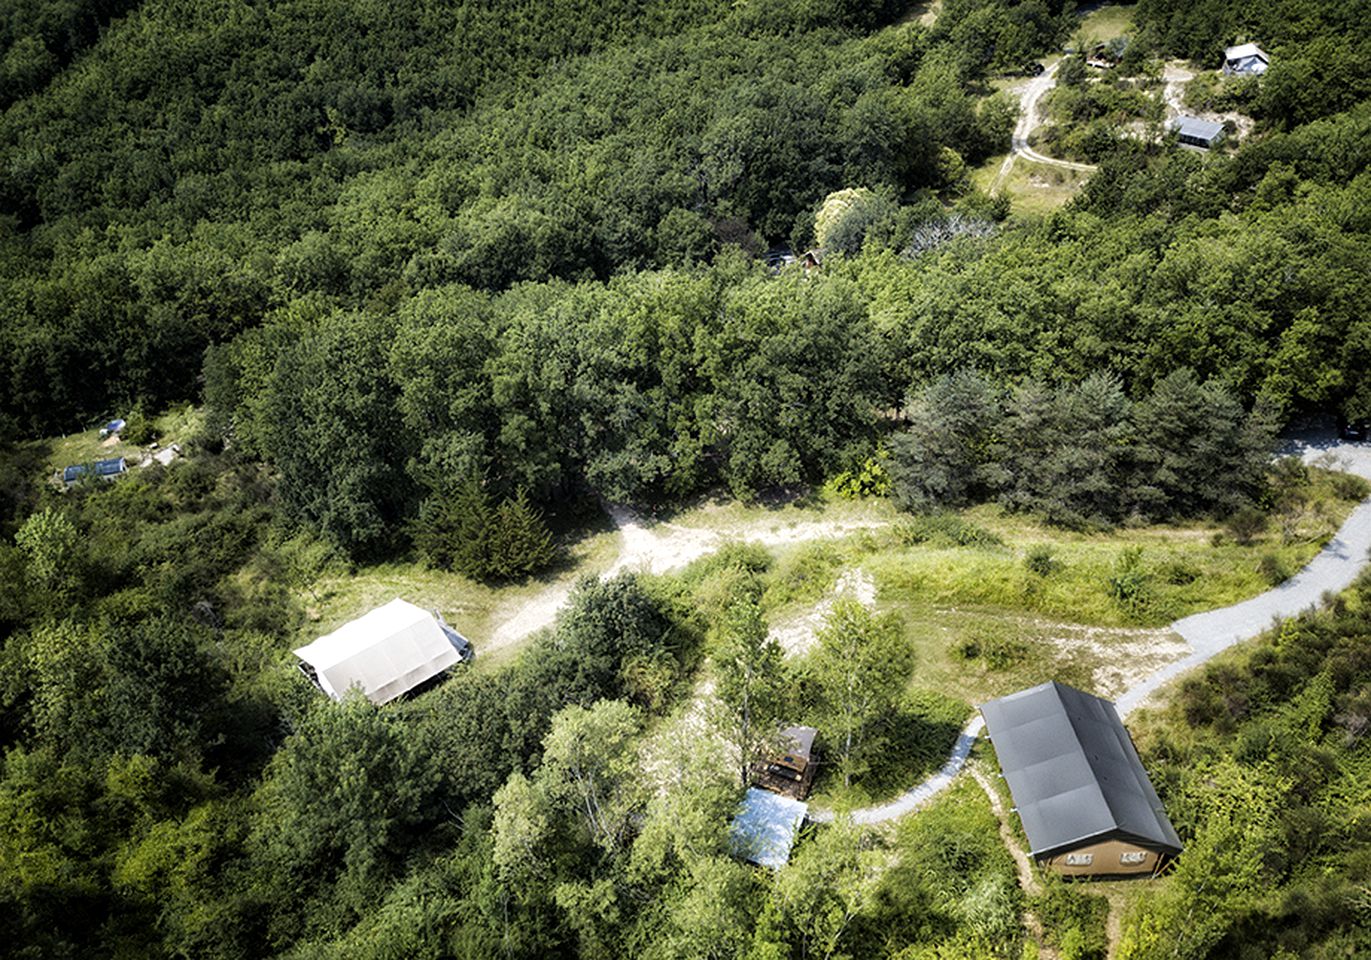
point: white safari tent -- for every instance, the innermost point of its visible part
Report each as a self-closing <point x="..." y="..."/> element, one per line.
<point x="386" y="652"/>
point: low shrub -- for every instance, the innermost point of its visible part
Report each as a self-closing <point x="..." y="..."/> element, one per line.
<point x="1274" y="569"/>
<point x="998" y="653"/>
<point x="1041" y="561"/>
<point x="1179" y="572"/>
<point x="1347" y="486"/>
<point x="868" y="479"/>
<point x="1128" y="585"/>
<point x="944" y="530"/>
<point x="806" y="574"/>
<point x="1246" y="524"/>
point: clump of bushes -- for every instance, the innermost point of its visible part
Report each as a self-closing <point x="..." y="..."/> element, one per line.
<point x="1179" y="572"/>
<point x="997" y="653"/>
<point x="804" y="575"/>
<point x="1347" y="486"/>
<point x="869" y="479"/>
<point x="1129" y="583"/>
<point x="944" y="530"/>
<point x="1073" y="921"/>
<point x="1274" y="569"/>
<point x="1246" y="524"/>
<point x="1041" y="561"/>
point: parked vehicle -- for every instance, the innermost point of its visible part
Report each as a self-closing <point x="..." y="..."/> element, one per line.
<point x="1355" y="430"/>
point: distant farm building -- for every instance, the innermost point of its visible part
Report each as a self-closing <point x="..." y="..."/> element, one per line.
<point x="113" y="427"/>
<point x="102" y="469"/>
<point x="384" y="653"/>
<point x="791" y="772"/>
<point x="1194" y="132"/>
<point x="765" y="828"/>
<point x="1080" y="789"/>
<point x="1245" y="60"/>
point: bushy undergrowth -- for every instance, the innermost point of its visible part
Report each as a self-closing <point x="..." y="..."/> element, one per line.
<point x="1262" y="761"/>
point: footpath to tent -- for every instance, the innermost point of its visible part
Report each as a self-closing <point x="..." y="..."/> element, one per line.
<point x="1207" y="634"/>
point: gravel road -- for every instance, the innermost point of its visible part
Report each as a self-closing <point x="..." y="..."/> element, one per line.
<point x="1207" y="634"/>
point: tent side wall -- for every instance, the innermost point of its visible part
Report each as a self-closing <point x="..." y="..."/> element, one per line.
<point x="1106" y="858"/>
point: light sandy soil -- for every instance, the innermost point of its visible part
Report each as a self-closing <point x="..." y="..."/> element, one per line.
<point x="797" y="636"/>
<point x="1126" y="654"/>
<point x="1175" y="76"/>
<point x="659" y="548"/>
<point x="1030" y="94"/>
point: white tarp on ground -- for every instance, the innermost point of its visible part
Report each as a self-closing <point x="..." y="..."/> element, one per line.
<point x="764" y="829"/>
<point x="392" y="649"/>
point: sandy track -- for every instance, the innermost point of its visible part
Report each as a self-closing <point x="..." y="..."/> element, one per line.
<point x="1206" y="634"/>
<point x="658" y="548"/>
<point x="797" y="636"/>
<point x="1029" y="96"/>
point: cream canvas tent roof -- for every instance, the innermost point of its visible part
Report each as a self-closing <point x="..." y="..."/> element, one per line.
<point x="392" y="649"/>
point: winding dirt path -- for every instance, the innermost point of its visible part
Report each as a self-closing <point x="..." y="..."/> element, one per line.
<point x="1029" y="97"/>
<point x="663" y="547"/>
<point x="659" y="548"/>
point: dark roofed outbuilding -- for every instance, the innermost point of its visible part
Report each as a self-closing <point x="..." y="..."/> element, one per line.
<point x="1082" y="794"/>
<point x="1194" y="132"/>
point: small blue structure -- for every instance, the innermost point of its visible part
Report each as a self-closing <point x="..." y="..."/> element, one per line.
<point x="114" y="426"/>
<point x="764" y="830"/>
<point x="104" y="469"/>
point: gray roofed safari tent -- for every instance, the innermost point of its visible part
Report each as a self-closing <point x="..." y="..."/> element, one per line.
<point x="799" y="742"/>
<point x="1075" y="775"/>
<point x="1196" y="132"/>
<point x="1245" y="58"/>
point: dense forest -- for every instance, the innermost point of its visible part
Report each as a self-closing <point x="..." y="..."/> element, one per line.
<point x="439" y="279"/>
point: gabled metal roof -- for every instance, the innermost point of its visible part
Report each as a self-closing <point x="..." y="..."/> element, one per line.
<point x="1074" y="772"/>
<point x="100" y="468"/>
<point x="1245" y="50"/>
<point x="798" y="742"/>
<point x="1206" y="130"/>
<point x="764" y="830"/>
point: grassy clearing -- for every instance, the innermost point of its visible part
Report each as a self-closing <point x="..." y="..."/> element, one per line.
<point x="1034" y="189"/>
<point x="1106" y="23"/>
<point x="472" y="608"/>
<point x="775" y="518"/>
<point x="174" y="426"/>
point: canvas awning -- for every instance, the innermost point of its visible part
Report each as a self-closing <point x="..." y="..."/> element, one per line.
<point x="386" y="652"/>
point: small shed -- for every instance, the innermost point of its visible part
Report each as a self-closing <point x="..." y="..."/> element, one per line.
<point x="791" y="772"/>
<point x="113" y="427"/>
<point x="1085" y="801"/>
<point x="765" y="828"/>
<point x="385" y="653"/>
<point x="1245" y="60"/>
<point x="1194" y="132"/>
<point x="103" y="469"/>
